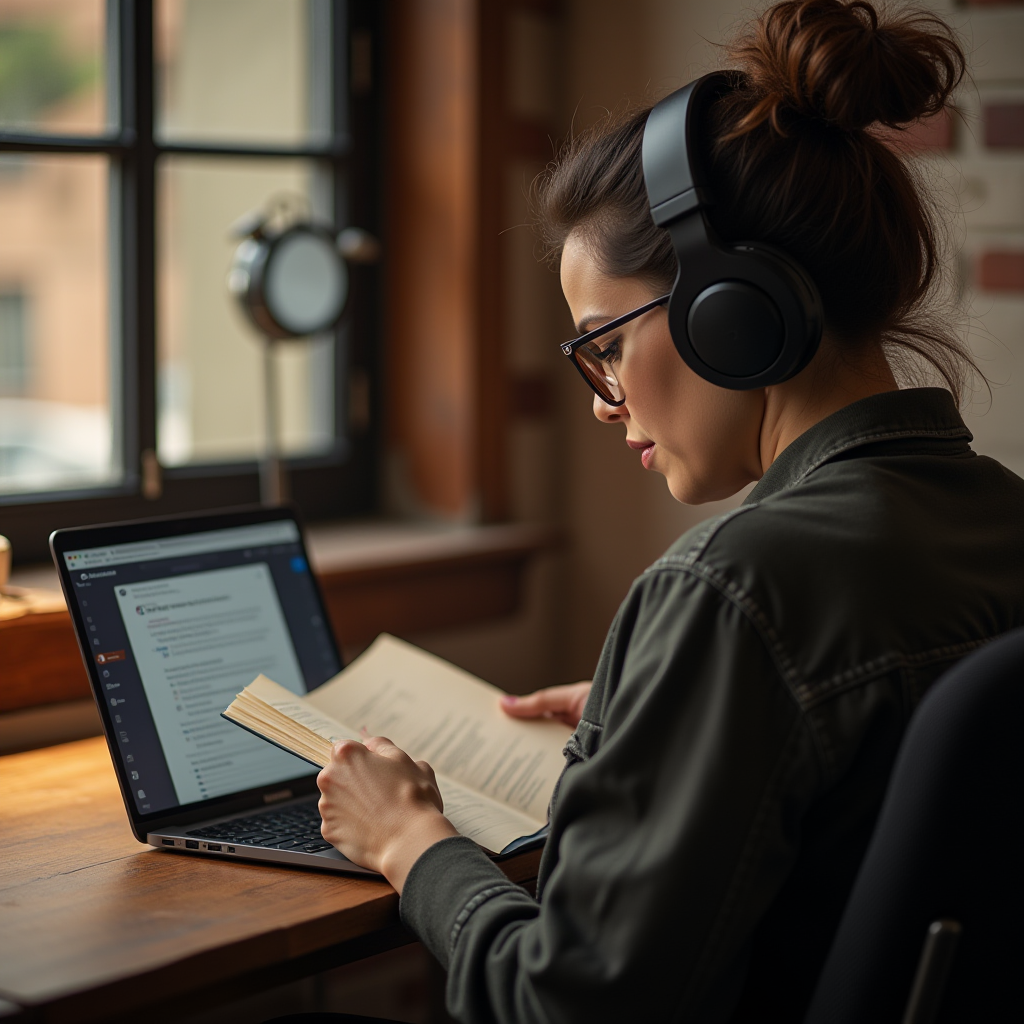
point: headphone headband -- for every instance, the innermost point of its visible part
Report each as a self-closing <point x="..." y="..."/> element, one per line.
<point x="676" y="180"/>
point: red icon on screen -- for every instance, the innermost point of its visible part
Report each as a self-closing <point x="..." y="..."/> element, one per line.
<point x="110" y="656"/>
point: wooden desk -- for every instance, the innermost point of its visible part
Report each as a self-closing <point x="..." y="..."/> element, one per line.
<point x="96" y="926"/>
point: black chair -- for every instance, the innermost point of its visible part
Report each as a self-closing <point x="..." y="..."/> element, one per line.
<point x="934" y="927"/>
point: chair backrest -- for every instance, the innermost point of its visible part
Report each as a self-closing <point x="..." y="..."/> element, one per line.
<point x="949" y="844"/>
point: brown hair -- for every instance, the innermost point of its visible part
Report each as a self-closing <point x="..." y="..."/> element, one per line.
<point x="800" y="159"/>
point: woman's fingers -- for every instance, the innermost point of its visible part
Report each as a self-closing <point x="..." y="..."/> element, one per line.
<point x="564" y="703"/>
<point x="535" y="705"/>
<point x="382" y="745"/>
<point x="345" y="749"/>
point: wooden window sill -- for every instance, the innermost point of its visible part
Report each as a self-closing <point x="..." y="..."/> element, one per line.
<point x="375" y="577"/>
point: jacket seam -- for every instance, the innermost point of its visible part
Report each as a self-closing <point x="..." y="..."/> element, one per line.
<point x="703" y="538"/>
<point x="474" y="904"/>
<point x="738" y="597"/>
<point x="809" y="695"/>
<point x="812" y="695"/>
<point x="749" y="608"/>
<point x="858" y="439"/>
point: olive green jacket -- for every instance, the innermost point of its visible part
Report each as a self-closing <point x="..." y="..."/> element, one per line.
<point x="746" y="710"/>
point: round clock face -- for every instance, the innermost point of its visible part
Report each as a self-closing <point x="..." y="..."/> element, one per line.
<point x="305" y="283"/>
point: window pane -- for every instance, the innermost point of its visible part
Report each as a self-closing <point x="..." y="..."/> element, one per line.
<point x="210" y="358"/>
<point x="241" y="70"/>
<point x="51" y="65"/>
<point x="56" y="399"/>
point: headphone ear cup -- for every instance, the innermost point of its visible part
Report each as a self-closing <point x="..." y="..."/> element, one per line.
<point x="736" y="329"/>
<point x="742" y="316"/>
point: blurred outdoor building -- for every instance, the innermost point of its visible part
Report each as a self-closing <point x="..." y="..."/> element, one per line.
<point x="55" y="337"/>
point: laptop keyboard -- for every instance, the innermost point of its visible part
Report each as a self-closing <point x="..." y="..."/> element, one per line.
<point x="288" y="828"/>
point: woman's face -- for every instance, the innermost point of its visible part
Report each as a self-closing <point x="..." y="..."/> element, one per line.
<point x="703" y="439"/>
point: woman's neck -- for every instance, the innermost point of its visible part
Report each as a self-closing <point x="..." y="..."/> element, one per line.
<point x="834" y="379"/>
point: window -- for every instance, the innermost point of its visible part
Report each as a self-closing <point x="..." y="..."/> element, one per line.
<point x="133" y="135"/>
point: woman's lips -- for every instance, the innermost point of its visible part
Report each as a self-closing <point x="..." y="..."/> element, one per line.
<point x="646" y="450"/>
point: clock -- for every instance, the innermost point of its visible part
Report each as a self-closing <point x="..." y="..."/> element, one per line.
<point x="290" y="283"/>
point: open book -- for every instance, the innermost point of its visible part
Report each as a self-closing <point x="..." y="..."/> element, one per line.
<point x="496" y="774"/>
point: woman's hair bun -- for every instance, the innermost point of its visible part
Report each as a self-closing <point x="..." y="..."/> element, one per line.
<point x="846" y="64"/>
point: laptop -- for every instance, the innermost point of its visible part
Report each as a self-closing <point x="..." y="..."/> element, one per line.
<point x="173" y="617"/>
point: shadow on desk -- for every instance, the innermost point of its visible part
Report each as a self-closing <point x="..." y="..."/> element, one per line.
<point x="403" y="984"/>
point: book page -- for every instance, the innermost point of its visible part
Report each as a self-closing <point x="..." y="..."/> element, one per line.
<point x="490" y="824"/>
<point x="440" y="714"/>
<point x="299" y="710"/>
<point x="277" y="714"/>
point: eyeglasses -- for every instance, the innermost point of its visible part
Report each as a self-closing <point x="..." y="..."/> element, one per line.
<point x="595" y="363"/>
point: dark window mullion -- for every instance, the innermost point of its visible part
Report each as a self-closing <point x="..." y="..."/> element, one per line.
<point x="14" y="142"/>
<point x="358" y="113"/>
<point x="137" y="246"/>
<point x="334" y="152"/>
<point x="338" y="125"/>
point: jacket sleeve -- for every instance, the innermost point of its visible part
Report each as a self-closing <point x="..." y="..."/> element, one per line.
<point x="672" y="838"/>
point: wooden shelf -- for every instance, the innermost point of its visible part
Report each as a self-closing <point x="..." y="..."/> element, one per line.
<point x="375" y="577"/>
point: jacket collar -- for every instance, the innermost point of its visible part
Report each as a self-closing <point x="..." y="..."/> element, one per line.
<point x="886" y="417"/>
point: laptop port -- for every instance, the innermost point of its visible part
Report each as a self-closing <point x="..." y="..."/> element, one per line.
<point x="213" y="847"/>
<point x="231" y="849"/>
<point x="167" y="842"/>
<point x="191" y="844"/>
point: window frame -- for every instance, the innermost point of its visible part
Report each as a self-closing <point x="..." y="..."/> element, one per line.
<point x="342" y="483"/>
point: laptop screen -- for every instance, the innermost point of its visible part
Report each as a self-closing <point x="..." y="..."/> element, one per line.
<point x="176" y="626"/>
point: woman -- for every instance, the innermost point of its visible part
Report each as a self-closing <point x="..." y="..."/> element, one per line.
<point x="730" y="759"/>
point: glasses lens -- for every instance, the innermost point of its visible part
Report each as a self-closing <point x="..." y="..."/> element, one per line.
<point x="599" y="372"/>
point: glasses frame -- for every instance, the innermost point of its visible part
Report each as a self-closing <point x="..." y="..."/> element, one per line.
<point x="569" y="347"/>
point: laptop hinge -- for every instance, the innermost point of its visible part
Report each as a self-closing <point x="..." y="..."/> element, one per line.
<point x="277" y="796"/>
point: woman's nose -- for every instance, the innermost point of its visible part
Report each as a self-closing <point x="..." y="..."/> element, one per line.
<point x="609" y="413"/>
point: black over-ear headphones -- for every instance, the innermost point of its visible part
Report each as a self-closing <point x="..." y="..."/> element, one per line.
<point x="742" y="316"/>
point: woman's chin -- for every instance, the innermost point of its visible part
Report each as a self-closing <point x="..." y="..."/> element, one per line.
<point x="685" y="490"/>
<point x="689" y="489"/>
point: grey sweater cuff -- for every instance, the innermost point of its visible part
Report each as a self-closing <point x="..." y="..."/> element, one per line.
<point x="446" y="884"/>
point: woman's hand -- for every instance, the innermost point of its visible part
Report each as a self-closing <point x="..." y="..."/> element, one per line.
<point x="563" y="703"/>
<point x="380" y="808"/>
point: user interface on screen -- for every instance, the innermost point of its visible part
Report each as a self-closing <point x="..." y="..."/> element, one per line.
<point x="177" y="627"/>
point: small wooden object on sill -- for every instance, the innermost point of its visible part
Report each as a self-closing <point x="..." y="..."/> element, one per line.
<point x="18" y="601"/>
<point x="27" y="600"/>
